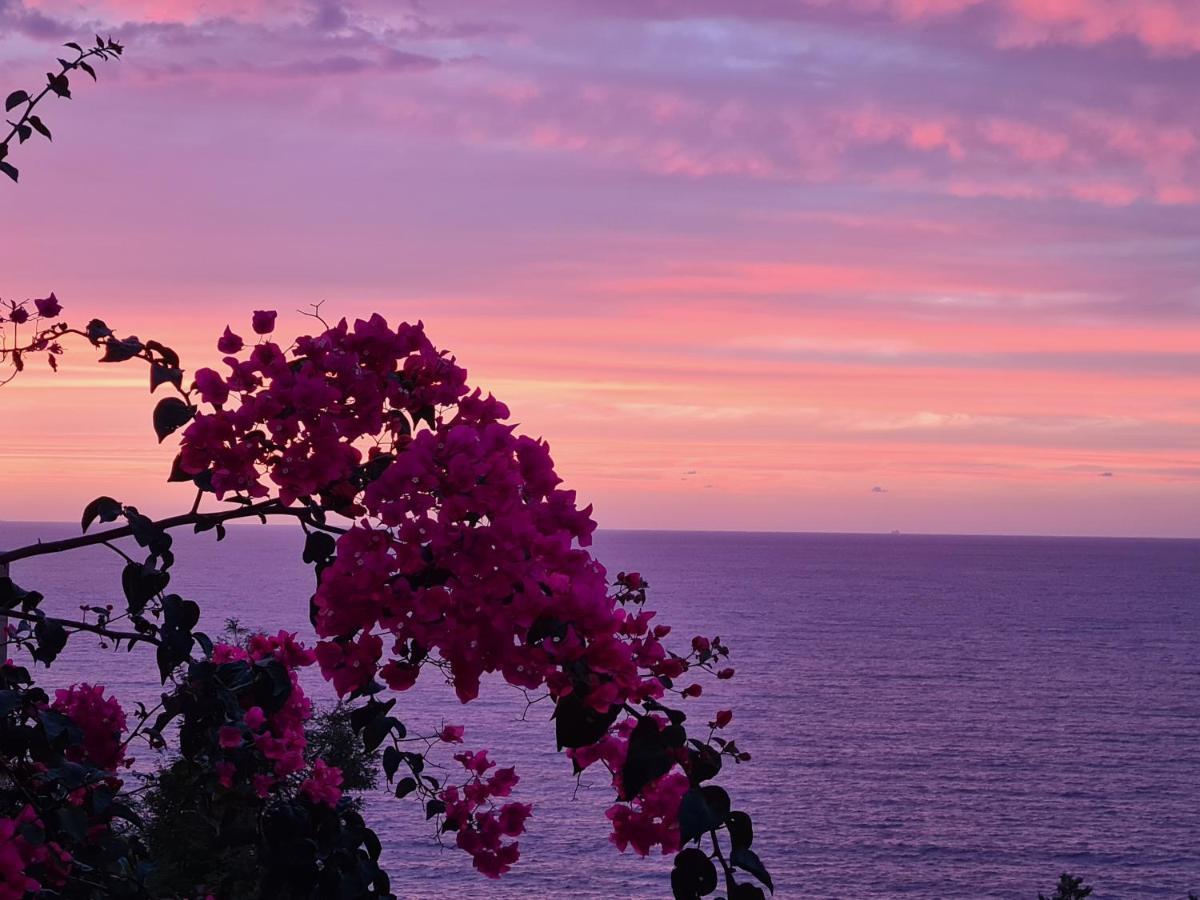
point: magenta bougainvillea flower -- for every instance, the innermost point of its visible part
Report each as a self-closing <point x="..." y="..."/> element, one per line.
<point x="456" y="548"/>
<point x="48" y="307"/>
<point x="263" y="321"/>
<point x="464" y="547"/>
<point x="230" y="342"/>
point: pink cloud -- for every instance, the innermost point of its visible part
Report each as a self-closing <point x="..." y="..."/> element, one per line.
<point x="809" y="245"/>
<point x="1106" y="193"/>
<point x="1162" y="26"/>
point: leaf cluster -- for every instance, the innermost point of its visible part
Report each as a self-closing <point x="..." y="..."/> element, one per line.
<point x="23" y="103"/>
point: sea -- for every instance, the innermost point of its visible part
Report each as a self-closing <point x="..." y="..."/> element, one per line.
<point x="928" y="716"/>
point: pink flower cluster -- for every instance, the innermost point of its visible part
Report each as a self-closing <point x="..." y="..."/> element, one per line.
<point x="101" y="720"/>
<point x="480" y="822"/>
<point x="324" y="785"/>
<point x="279" y="737"/>
<point x="18" y="858"/>
<point x="653" y="818"/>
<point x="464" y="549"/>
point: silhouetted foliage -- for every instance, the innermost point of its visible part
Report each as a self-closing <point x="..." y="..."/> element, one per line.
<point x="1068" y="888"/>
<point x="485" y="572"/>
<point x="58" y="84"/>
<point x="202" y="841"/>
<point x="331" y="737"/>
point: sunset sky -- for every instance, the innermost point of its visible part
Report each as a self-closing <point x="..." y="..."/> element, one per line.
<point x="839" y="265"/>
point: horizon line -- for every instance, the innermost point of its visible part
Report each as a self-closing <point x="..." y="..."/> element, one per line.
<point x="767" y="531"/>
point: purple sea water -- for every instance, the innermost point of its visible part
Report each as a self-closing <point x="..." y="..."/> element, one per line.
<point x="929" y="717"/>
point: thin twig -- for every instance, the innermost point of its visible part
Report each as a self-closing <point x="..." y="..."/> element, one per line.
<point x="130" y="636"/>
<point x="266" y="508"/>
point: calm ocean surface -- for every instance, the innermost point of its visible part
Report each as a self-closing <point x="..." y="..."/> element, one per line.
<point x="930" y="717"/>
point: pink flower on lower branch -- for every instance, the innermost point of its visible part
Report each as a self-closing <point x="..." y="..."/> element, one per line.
<point x="652" y="819"/>
<point x="512" y="818"/>
<point x="101" y="720"/>
<point x="481" y="826"/>
<point x="451" y="734"/>
<point x="262" y="785"/>
<point x="230" y="342"/>
<point x="503" y="781"/>
<point x="14" y="882"/>
<point x="477" y="762"/>
<point x="324" y="785"/>
<point x="263" y="321"/>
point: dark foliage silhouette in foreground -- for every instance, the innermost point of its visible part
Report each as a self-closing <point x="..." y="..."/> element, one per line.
<point x="24" y="103"/>
<point x="1068" y="888"/>
<point x="428" y="521"/>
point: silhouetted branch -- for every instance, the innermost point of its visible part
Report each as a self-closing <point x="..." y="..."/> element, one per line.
<point x="57" y="84"/>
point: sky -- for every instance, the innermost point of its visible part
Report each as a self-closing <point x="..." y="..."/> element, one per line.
<point x="802" y="265"/>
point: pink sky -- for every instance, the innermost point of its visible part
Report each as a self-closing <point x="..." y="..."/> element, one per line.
<point x="742" y="262"/>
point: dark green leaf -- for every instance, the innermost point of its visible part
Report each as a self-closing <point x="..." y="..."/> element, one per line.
<point x="73" y="821"/>
<point x="746" y="859"/>
<point x="746" y="892"/>
<point x="415" y="761"/>
<point x="160" y="374"/>
<point x="88" y="69"/>
<point x="119" y="351"/>
<point x="696" y="818"/>
<point x="40" y="127"/>
<point x="54" y="724"/>
<point x="674" y="736"/>
<point x="576" y="724"/>
<point x="391" y="762"/>
<point x="318" y="546"/>
<point x="50" y="637"/>
<point x="171" y="414"/>
<point x="10" y="702"/>
<point x="741" y="831"/>
<point x="140" y="583"/>
<point x="694" y="875"/>
<point x="177" y="473"/>
<point x="717" y="799"/>
<point x="363" y="715"/>
<point x="205" y="642"/>
<point x="169" y="357"/>
<point x="12" y="596"/>
<point x="646" y="760"/>
<point x="405" y="786"/>
<point x="106" y="509"/>
<point x="15" y="99"/>
<point x="59" y="84"/>
<point x="376" y="731"/>
<point x="96" y="329"/>
<point x="705" y="762"/>
<point x="426" y="414"/>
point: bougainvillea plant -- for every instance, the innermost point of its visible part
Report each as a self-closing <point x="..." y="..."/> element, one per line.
<point x="22" y="104"/>
<point x="442" y="540"/>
